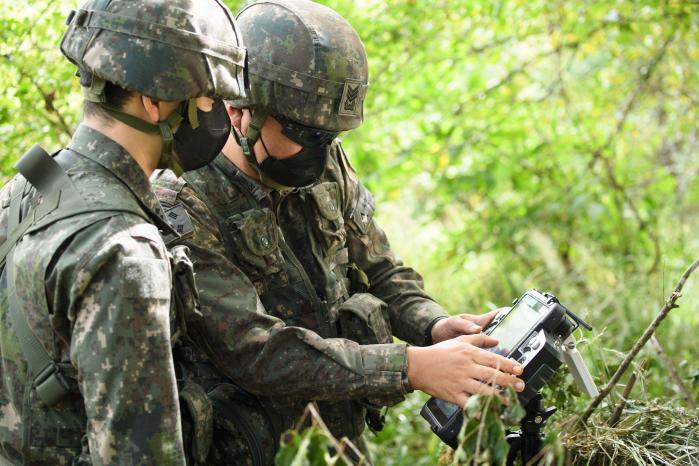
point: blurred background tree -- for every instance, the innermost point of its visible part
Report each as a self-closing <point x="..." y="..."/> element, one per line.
<point x="510" y="144"/>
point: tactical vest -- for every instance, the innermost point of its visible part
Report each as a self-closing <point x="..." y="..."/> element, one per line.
<point x="237" y="425"/>
<point x="300" y="268"/>
<point x="53" y="417"/>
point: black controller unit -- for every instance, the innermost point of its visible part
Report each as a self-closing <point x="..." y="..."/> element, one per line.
<point x="531" y="332"/>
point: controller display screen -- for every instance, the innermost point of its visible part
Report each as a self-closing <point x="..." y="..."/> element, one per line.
<point x="516" y="325"/>
<point x="442" y="410"/>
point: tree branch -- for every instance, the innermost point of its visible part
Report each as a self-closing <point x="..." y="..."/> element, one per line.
<point x="48" y="96"/>
<point x="674" y="375"/>
<point x="616" y="415"/>
<point x="670" y="304"/>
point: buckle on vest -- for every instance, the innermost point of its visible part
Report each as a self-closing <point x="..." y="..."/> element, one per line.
<point x="50" y="385"/>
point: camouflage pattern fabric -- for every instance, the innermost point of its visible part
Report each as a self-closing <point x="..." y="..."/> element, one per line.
<point x="165" y="49"/>
<point x="242" y="433"/>
<point x="95" y="290"/>
<point x="297" y="251"/>
<point x="305" y="63"/>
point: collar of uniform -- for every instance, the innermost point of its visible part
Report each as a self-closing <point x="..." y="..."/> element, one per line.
<point x="258" y="190"/>
<point x="97" y="147"/>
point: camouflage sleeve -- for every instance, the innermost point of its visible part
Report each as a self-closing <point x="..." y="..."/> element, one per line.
<point x="410" y="309"/>
<point x="119" y="288"/>
<point x="263" y="355"/>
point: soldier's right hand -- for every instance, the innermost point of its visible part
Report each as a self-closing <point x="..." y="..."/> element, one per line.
<point x="455" y="369"/>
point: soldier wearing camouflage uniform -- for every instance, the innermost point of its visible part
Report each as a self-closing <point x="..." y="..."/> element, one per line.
<point x="298" y="227"/>
<point x="86" y="369"/>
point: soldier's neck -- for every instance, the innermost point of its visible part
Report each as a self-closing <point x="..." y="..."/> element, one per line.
<point x="143" y="147"/>
<point x="234" y="153"/>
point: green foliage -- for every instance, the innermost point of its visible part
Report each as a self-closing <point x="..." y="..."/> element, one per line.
<point x="510" y="144"/>
<point x="40" y="100"/>
<point x="315" y="445"/>
<point x="482" y="437"/>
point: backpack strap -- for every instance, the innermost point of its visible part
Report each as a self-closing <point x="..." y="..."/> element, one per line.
<point x="44" y="173"/>
<point x="15" y="227"/>
<point x="48" y="381"/>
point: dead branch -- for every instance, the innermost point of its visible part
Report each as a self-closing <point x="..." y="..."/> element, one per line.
<point x="616" y="415"/>
<point x="672" y="370"/>
<point x="670" y="304"/>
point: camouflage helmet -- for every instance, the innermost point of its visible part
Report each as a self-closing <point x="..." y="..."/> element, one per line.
<point x="306" y="64"/>
<point x="165" y="49"/>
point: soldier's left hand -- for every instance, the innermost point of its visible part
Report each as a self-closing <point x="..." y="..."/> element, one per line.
<point x="462" y="324"/>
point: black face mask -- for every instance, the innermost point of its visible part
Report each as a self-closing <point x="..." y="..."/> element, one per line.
<point x="197" y="147"/>
<point x="297" y="171"/>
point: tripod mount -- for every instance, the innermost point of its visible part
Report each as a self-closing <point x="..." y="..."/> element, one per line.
<point x="526" y="443"/>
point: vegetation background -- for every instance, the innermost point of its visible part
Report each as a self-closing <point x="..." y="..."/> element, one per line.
<point x="509" y="144"/>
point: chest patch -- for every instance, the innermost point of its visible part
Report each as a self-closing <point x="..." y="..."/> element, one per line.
<point x="179" y="220"/>
<point x="259" y="231"/>
<point x="326" y="197"/>
<point x="363" y="209"/>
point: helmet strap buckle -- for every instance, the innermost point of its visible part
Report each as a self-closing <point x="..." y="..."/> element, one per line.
<point x="95" y="91"/>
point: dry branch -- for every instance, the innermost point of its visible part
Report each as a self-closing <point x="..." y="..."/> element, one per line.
<point x="670" y="304"/>
<point x="616" y="415"/>
<point x="672" y="370"/>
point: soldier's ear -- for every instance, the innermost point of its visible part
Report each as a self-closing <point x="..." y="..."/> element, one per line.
<point x="152" y="108"/>
<point x="235" y="114"/>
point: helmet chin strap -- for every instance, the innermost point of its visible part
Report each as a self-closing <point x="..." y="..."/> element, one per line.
<point x="246" y="143"/>
<point x="95" y="93"/>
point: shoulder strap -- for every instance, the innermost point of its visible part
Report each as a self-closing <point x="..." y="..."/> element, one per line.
<point x="50" y="384"/>
<point x="50" y="180"/>
<point x="15" y="227"/>
<point x="41" y="171"/>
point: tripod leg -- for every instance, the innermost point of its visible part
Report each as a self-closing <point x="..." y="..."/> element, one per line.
<point x="515" y="441"/>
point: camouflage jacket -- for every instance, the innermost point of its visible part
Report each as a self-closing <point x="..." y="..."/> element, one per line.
<point x="95" y="290"/>
<point x="316" y="258"/>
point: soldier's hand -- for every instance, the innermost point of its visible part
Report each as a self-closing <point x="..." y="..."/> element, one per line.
<point x="462" y="324"/>
<point x="457" y="368"/>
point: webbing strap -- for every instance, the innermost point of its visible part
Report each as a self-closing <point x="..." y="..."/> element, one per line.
<point x="40" y="170"/>
<point x="15" y="206"/>
<point x="50" y="385"/>
<point x="257" y="121"/>
<point x="247" y="142"/>
<point x="51" y="181"/>
<point x="15" y="228"/>
<point x="187" y="40"/>
<point x="14" y="210"/>
<point x="44" y="173"/>
<point x="13" y="237"/>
